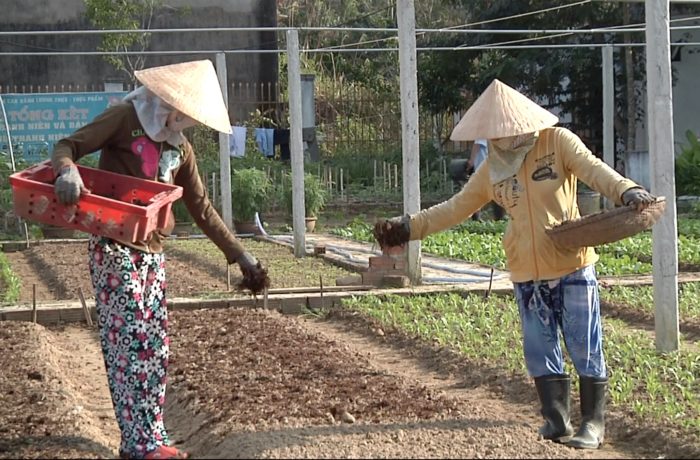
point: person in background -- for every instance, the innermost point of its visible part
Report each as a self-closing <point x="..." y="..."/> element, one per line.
<point x="143" y="137"/>
<point x="532" y="171"/>
<point x="478" y="156"/>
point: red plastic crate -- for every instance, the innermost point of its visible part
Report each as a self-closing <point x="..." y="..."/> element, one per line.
<point x="120" y="206"/>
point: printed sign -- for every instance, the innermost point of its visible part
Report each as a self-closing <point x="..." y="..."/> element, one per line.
<point x="37" y="121"/>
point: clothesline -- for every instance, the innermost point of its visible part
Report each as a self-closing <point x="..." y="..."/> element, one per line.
<point x="265" y="140"/>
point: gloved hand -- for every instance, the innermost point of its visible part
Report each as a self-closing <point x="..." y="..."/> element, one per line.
<point x="637" y="196"/>
<point x="393" y="232"/>
<point x="69" y="185"/>
<point x="254" y="275"/>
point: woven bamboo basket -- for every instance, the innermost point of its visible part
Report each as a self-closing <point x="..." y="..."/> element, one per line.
<point x="606" y="226"/>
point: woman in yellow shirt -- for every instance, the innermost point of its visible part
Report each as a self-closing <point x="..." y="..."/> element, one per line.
<point x="532" y="171"/>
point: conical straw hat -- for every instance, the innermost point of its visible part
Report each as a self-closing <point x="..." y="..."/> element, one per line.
<point x="192" y="88"/>
<point x="501" y="111"/>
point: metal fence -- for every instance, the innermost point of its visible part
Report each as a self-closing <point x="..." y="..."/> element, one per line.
<point x="359" y="134"/>
<point x="349" y="118"/>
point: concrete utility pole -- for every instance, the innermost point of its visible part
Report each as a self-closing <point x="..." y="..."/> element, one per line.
<point x="660" y="113"/>
<point x="296" y="144"/>
<point x="406" y="15"/>
<point x="608" y="110"/>
<point x="224" y="148"/>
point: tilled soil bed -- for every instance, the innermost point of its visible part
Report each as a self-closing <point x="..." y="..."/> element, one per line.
<point x="251" y="383"/>
<point x="247" y="383"/>
<point x="195" y="268"/>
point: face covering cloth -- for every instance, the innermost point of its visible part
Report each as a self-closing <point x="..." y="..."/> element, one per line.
<point x="506" y="155"/>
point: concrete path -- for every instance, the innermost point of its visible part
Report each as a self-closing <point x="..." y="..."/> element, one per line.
<point x="435" y="270"/>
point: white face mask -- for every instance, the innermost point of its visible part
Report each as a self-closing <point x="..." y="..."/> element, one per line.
<point x="178" y="121"/>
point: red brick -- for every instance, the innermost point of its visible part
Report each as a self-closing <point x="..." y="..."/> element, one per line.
<point x="381" y="262"/>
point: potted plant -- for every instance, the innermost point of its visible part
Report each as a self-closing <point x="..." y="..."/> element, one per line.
<point x="250" y="189"/>
<point x="588" y="199"/>
<point x="315" y="195"/>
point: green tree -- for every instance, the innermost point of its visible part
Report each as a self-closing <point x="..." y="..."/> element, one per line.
<point x="123" y="15"/>
<point x="568" y="78"/>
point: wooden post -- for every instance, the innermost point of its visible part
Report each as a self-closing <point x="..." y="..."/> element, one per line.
<point x="296" y="144"/>
<point x="33" y="303"/>
<point x="609" y="111"/>
<point x="320" y="281"/>
<point x="213" y="188"/>
<point x="384" y="168"/>
<point x="374" y="176"/>
<point x="228" y="277"/>
<point x="86" y="310"/>
<point x="664" y="233"/>
<point x="224" y="148"/>
<point x="410" y="140"/>
<point x="342" y="191"/>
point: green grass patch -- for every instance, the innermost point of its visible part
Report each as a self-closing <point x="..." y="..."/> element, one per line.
<point x="643" y="297"/>
<point x="665" y="387"/>
<point x="9" y="282"/>
<point x="481" y="242"/>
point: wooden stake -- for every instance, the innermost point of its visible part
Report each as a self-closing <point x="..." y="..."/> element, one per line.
<point x="320" y="280"/>
<point x="265" y="298"/>
<point x="228" y="277"/>
<point x="374" y="177"/>
<point x="488" y="292"/>
<point x="86" y="310"/>
<point x="34" y="303"/>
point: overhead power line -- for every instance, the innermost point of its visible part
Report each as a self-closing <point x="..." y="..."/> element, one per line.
<point x="328" y="29"/>
<point x="323" y="50"/>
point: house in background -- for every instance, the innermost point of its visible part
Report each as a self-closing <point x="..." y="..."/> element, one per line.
<point x="93" y="71"/>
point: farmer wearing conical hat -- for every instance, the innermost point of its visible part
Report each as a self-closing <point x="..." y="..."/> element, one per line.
<point x="142" y="137"/>
<point x="532" y="171"/>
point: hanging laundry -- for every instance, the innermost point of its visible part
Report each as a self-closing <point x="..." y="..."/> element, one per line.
<point x="237" y="141"/>
<point x="264" y="138"/>
<point x="281" y="138"/>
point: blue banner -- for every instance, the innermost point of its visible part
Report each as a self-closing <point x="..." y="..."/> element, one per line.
<point x="37" y="121"/>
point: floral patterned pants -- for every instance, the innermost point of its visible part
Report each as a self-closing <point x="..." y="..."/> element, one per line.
<point x="133" y="320"/>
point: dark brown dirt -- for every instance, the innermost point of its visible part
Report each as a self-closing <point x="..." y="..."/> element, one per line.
<point x="249" y="383"/>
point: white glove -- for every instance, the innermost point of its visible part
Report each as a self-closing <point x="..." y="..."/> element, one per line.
<point x="69" y="185"/>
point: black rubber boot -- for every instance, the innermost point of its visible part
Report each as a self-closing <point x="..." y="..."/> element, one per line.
<point x="592" y="431"/>
<point x="553" y="391"/>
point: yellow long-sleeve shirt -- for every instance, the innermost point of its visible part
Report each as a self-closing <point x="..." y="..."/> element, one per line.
<point x="541" y="195"/>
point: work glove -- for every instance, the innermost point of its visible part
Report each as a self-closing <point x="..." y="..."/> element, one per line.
<point x="69" y="185"/>
<point x="638" y="197"/>
<point x="255" y="276"/>
<point x="393" y="232"/>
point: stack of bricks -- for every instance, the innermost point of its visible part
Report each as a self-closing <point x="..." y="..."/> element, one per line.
<point x="386" y="271"/>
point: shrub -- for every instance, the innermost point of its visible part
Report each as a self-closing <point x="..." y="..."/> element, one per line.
<point x="315" y="194"/>
<point x="250" y="188"/>
<point x="688" y="167"/>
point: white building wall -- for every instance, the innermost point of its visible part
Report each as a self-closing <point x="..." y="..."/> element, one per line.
<point x="686" y="90"/>
<point x="686" y="104"/>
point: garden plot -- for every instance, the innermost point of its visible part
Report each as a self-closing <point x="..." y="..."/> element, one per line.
<point x="195" y="268"/>
<point x="255" y="384"/>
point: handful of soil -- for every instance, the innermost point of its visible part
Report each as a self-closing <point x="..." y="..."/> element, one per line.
<point x="390" y="233"/>
<point x="255" y="280"/>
